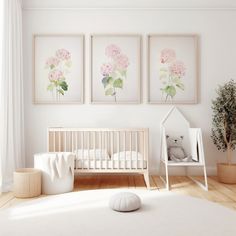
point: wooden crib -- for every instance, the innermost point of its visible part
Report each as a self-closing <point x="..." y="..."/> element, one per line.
<point x="104" y="150"/>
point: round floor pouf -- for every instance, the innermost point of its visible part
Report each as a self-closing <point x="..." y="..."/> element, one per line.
<point x="125" y="202"/>
<point x="27" y="183"/>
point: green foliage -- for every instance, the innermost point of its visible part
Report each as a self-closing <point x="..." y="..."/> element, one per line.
<point x="118" y="83"/>
<point x="110" y="84"/>
<point x="171" y="83"/>
<point x="109" y="92"/>
<point x="63" y="85"/>
<point x="224" y="117"/>
<point x="170" y="90"/>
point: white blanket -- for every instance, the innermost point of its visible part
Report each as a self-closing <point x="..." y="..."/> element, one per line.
<point x="92" y="154"/>
<point x="57" y="165"/>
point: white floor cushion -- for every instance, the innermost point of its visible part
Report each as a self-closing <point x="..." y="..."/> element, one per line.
<point x="125" y="201"/>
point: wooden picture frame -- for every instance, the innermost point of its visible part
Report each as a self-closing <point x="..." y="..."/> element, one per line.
<point x="172" y="68"/>
<point x="115" y="69"/>
<point x="58" y="68"/>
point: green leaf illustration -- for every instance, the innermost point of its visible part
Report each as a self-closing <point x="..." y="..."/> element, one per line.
<point x="60" y="91"/>
<point x="110" y="80"/>
<point x="170" y="90"/>
<point x="50" y="87"/>
<point x="176" y="80"/>
<point x="109" y="92"/>
<point x="105" y="81"/>
<point x="180" y="85"/>
<point x="118" y="83"/>
<point x="64" y="86"/>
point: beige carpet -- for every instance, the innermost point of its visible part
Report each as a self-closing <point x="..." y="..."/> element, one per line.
<point x="86" y="213"/>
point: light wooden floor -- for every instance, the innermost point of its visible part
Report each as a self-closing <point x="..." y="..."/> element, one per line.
<point x="220" y="193"/>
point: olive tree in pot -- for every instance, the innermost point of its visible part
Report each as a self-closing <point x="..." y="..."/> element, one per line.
<point x="224" y="129"/>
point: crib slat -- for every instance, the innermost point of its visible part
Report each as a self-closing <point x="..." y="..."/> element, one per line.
<point x="112" y="149"/>
<point x="144" y="149"/>
<point x="94" y="147"/>
<point x="100" y="134"/>
<point x="130" y="148"/>
<point x="106" y="145"/>
<point x="76" y="151"/>
<point x="82" y="145"/>
<point x="88" y="148"/>
<point x="59" y="141"/>
<point x="125" y="150"/>
<point x="72" y="141"/>
<point x="54" y="141"/>
<point x="64" y="139"/>
<point x="136" y="148"/>
<point x="118" y="146"/>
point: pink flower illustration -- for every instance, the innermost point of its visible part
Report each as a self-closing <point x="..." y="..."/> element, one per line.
<point x="55" y="75"/>
<point x="177" y="68"/>
<point x="167" y="55"/>
<point x="122" y="61"/>
<point x="63" y="54"/>
<point x="114" y="72"/>
<point x="52" y="61"/>
<point x="112" y="50"/>
<point x="107" y="69"/>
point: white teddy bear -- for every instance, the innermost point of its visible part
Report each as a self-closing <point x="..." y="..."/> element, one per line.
<point x="176" y="151"/>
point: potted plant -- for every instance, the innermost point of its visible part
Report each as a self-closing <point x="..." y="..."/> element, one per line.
<point x="224" y="129"/>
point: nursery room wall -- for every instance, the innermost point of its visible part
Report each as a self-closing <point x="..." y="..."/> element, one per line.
<point x="215" y="26"/>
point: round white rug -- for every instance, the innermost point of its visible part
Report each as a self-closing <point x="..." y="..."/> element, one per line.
<point x="87" y="213"/>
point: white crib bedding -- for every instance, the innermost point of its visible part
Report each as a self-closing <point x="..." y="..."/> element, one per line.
<point x="127" y="155"/>
<point x="110" y="164"/>
<point x="91" y="154"/>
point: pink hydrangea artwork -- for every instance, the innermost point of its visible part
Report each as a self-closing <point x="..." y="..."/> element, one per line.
<point x="107" y="69"/>
<point x="171" y="74"/>
<point x="177" y="69"/>
<point x="58" y="69"/>
<point x="167" y="55"/>
<point x="63" y="54"/>
<point x="112" y="51"/>
<point x="114" y="71"/>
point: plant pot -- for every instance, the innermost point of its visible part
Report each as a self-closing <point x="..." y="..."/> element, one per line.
<point x="226" y="173"/>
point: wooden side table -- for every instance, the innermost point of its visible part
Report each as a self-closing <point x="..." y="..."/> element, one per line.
<point x="27" y="183"/>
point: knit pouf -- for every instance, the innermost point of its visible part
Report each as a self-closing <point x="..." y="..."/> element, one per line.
<point x="125" y="201"/>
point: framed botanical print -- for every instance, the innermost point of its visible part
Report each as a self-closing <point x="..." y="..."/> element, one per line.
<point x="58" y="69"/>
<point x="172" y="69"/>
<point x="115" y="69"/>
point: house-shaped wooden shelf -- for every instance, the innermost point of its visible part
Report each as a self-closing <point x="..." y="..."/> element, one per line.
<point x="175" y="125"/>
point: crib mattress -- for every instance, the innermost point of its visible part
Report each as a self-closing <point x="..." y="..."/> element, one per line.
<point x="111" y="164"/>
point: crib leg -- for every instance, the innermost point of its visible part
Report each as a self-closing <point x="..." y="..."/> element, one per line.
<point x="147" y="180"/>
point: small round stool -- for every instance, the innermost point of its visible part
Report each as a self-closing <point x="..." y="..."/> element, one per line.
<point x="27" y="183"/>
<point x="125" y="202"/>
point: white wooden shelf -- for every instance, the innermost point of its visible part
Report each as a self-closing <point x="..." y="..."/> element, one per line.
<point x="192" y="163"/>
<point x="172" y="124"/>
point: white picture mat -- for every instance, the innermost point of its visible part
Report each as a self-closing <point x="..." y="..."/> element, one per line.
<point x="186" y="51"/>
<point x="129" y="45"/>
<point x="45" y="46"/>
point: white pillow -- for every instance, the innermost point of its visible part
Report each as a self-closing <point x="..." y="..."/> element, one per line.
<point x="125" y="202"/>
<point x="128" y="155"/>
<point x="91" y="154"/>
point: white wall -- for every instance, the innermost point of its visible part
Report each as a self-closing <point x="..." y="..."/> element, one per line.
<point x="216" y="29"/>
